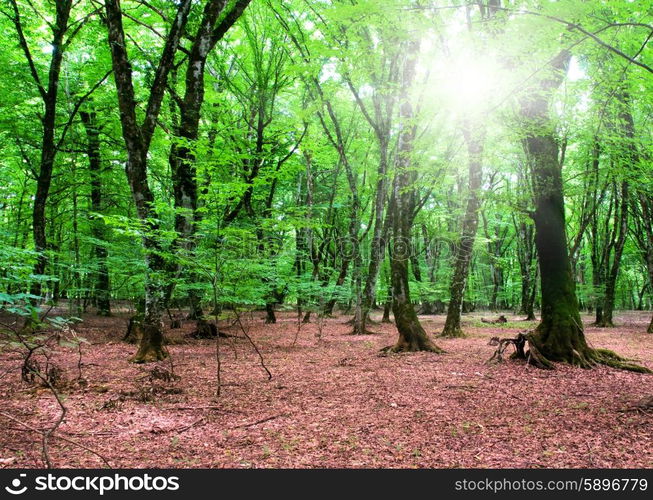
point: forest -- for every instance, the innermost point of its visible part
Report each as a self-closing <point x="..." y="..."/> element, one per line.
<point x="326" y="234"/>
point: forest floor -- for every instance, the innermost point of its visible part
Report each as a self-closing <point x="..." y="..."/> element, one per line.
<point x="332" y="402"/>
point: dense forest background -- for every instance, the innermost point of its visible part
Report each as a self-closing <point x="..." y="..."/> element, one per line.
<point x="267" y="154"/>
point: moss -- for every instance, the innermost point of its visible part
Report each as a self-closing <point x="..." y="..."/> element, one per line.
<point x="151" y="346"/>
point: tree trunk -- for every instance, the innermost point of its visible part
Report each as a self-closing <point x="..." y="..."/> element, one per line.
<point x="340" y="280"/>
<point x="559" y="336"/>
<point x="475" y="142"/>
<point x="102" y="288"/>
<point x="378" y="246"/>
<point x="412" y="336"/>
<point x="182" y="156"/>
<point x="387" y="306"/>
<point x="137" y="141"/>
<point x="49" y="94"/>
<point x="626" y="125"/>
<point x="611" y="282"/>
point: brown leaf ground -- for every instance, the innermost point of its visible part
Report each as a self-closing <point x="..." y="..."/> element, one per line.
<point x="333" y="402"/>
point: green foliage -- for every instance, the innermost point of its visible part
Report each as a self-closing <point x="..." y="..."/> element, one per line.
<point x="275" y="202"/>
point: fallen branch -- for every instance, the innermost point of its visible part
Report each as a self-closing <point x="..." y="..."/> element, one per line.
<point x="263" y="420"/>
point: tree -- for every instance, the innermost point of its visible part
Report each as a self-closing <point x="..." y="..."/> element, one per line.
<point x="62" y="36"/>
<point x="474" y="140"/>
<point x="102" y="288"/>
<point x="559" y="336"/>
<point x="412" y="336"/>
<point x="213" y="26"/>
<point x="137" y="138"/>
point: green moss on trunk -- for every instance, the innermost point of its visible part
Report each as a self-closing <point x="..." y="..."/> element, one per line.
<point x="151" y="345"/>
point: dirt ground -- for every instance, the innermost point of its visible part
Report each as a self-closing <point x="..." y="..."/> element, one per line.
<point x="332" y="402"/>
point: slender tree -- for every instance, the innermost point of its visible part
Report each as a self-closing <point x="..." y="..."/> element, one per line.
<point x="102" y="286"/>
<point x="475" y="140"/>
<point x="62" y="36"/>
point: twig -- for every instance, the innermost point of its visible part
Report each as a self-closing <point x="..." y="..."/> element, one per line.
<point x="179" y="429"/>
<point x="68" y="440"/>
<point x="261" y="421"/>
<point x="253" y="345"/>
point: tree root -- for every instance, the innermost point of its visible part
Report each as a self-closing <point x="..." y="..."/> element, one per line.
<point x="613" y="360"/>
<point x="404" y="347"/>
<point x="589" y="358"/>
<point x="357" y="331"/>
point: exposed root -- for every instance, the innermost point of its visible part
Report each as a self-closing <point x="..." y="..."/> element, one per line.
<point x="518" y="343"/>
<point x="535" y="357"/>
<point x="358" y="331"/>
<point x="587" y="358"/>
<point x="406" y="347"/>
<point x="615" y="361"/>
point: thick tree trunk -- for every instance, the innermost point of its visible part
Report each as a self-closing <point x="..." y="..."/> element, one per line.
<point x="412" y="336"/>
<point x="559" y="336"/>
<point x="475" y="142"/>
<point x="102" y="287"/>
<point x="137" y="141"/>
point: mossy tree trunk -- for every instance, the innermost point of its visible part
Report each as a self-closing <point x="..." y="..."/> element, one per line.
<point x="137" y="138"/>
<point x="559" y="336"/>
<point x="412" y="336"/>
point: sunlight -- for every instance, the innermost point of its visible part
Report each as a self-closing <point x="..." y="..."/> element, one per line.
<point x="467" y="84"/>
